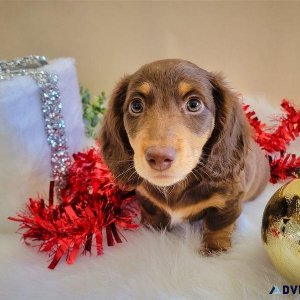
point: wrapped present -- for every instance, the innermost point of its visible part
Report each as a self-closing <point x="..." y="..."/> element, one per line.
<point x="27" y="159"/>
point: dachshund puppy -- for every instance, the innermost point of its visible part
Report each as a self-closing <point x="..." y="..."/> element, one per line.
<point x="178" y="135"/>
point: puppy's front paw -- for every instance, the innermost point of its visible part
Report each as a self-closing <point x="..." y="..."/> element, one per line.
<point x="214" y="248"/>
<point x="216" y="241"/>
<point x="203" y="251"/>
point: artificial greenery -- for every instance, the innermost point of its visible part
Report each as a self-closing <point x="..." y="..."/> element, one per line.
<point x="93" y="110"/>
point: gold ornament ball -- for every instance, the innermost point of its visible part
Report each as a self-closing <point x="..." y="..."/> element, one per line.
<point x="281" y="230"/>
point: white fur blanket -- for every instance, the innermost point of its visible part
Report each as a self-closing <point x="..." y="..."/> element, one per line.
<point x="151" y="265"/>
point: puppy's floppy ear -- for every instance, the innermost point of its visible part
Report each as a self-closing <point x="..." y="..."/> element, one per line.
<point x="228" y="145"/>
<point x="116" y="150"/>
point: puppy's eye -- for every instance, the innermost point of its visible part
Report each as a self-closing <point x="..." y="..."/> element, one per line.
<point x="136" y="106"/>
<point x="194" y="104"/>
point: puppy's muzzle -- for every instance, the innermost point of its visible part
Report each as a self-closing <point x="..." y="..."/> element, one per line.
<point x="160" y="158"/>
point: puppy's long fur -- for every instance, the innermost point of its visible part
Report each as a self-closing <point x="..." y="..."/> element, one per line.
<point x="211" y="163"/>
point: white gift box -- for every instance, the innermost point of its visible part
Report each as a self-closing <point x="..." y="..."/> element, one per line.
<point x="25" y="166"/>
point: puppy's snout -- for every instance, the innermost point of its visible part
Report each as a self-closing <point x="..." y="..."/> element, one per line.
<point x="160" y="158"/>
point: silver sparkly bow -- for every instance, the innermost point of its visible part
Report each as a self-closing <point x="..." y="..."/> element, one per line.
<point x="51" y="108"/>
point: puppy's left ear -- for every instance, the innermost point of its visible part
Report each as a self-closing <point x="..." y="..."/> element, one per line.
<point x="115" y="147"/>
<point x="228" y="145"/>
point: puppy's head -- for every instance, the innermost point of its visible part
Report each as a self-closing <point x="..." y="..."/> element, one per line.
<point x="163" y="119"/>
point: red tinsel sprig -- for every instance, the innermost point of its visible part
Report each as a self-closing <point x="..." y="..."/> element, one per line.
<point x="287" y="165"/>
<point x="91" y="202"/>
<point x="276" y="139"/>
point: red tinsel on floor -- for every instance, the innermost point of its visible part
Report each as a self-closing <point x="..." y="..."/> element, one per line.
<point x="92" y="203"/>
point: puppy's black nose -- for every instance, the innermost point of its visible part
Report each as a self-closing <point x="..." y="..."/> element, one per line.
<point x="160" y="158"/>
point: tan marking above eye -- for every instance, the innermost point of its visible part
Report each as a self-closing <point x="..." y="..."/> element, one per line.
<point x="184" y="88"/>
<point x="145" y="88"/>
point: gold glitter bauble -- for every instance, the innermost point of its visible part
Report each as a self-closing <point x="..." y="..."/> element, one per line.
<point x="281" y="230"/>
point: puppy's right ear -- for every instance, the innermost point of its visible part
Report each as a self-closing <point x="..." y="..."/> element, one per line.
<point x="116" y="150"/>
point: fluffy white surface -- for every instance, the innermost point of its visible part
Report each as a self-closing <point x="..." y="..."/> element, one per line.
<point x="151" y="265"/>
<point x="24" y="151"/>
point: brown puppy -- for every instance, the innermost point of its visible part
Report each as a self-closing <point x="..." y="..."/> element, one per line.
<point x="179" y="135"/>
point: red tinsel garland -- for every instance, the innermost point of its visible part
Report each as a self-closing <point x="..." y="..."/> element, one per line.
<point x="92" y="202"/>
<point x="275" y="141"/>
<point x="287" y="165"/>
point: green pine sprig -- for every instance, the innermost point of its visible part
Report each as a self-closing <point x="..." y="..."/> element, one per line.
<point x="93" y="110"/>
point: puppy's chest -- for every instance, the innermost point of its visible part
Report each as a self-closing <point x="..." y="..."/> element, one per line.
<point x="187" y="206"/>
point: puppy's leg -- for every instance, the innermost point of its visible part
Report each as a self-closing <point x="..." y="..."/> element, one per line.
<point x="219" y="226"/>
<point x="152" y="216"/>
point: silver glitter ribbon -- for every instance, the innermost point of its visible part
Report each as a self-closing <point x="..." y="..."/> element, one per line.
<point x="51" y="108"/>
